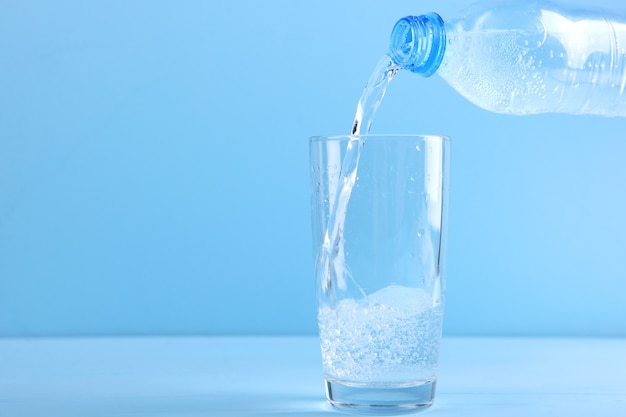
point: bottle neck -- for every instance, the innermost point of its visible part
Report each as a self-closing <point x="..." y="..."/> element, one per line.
<point x="418" y="43"/>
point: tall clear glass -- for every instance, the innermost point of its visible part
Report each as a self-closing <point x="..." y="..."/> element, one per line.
<point x="381" y="284"/>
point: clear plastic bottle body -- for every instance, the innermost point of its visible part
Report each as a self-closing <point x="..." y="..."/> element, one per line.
<point x="523" y="58"/>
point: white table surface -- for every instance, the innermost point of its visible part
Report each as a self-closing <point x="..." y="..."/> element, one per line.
<point x="281" y="376"/>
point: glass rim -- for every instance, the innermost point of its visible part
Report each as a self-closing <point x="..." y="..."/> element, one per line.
<point x="378" y="136"/>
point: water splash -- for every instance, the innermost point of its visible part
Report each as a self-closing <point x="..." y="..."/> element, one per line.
<point x="333" y="269"/>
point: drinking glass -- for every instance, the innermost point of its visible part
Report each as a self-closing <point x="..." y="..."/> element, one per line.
<point x="379" y="219"/>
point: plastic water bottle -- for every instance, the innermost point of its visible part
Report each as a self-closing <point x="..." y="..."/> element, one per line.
<point x="522" y="57"/>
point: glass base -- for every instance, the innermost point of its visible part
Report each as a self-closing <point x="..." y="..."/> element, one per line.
<point x="381" y="400"/>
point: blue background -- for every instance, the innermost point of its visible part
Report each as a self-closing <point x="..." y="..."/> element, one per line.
<point x="154" y="174"/>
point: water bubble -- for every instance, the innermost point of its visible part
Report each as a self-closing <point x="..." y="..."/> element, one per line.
<point x="420" y="233"/>
<point x="412" y="179"/>
<point x="417" y="148"/>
